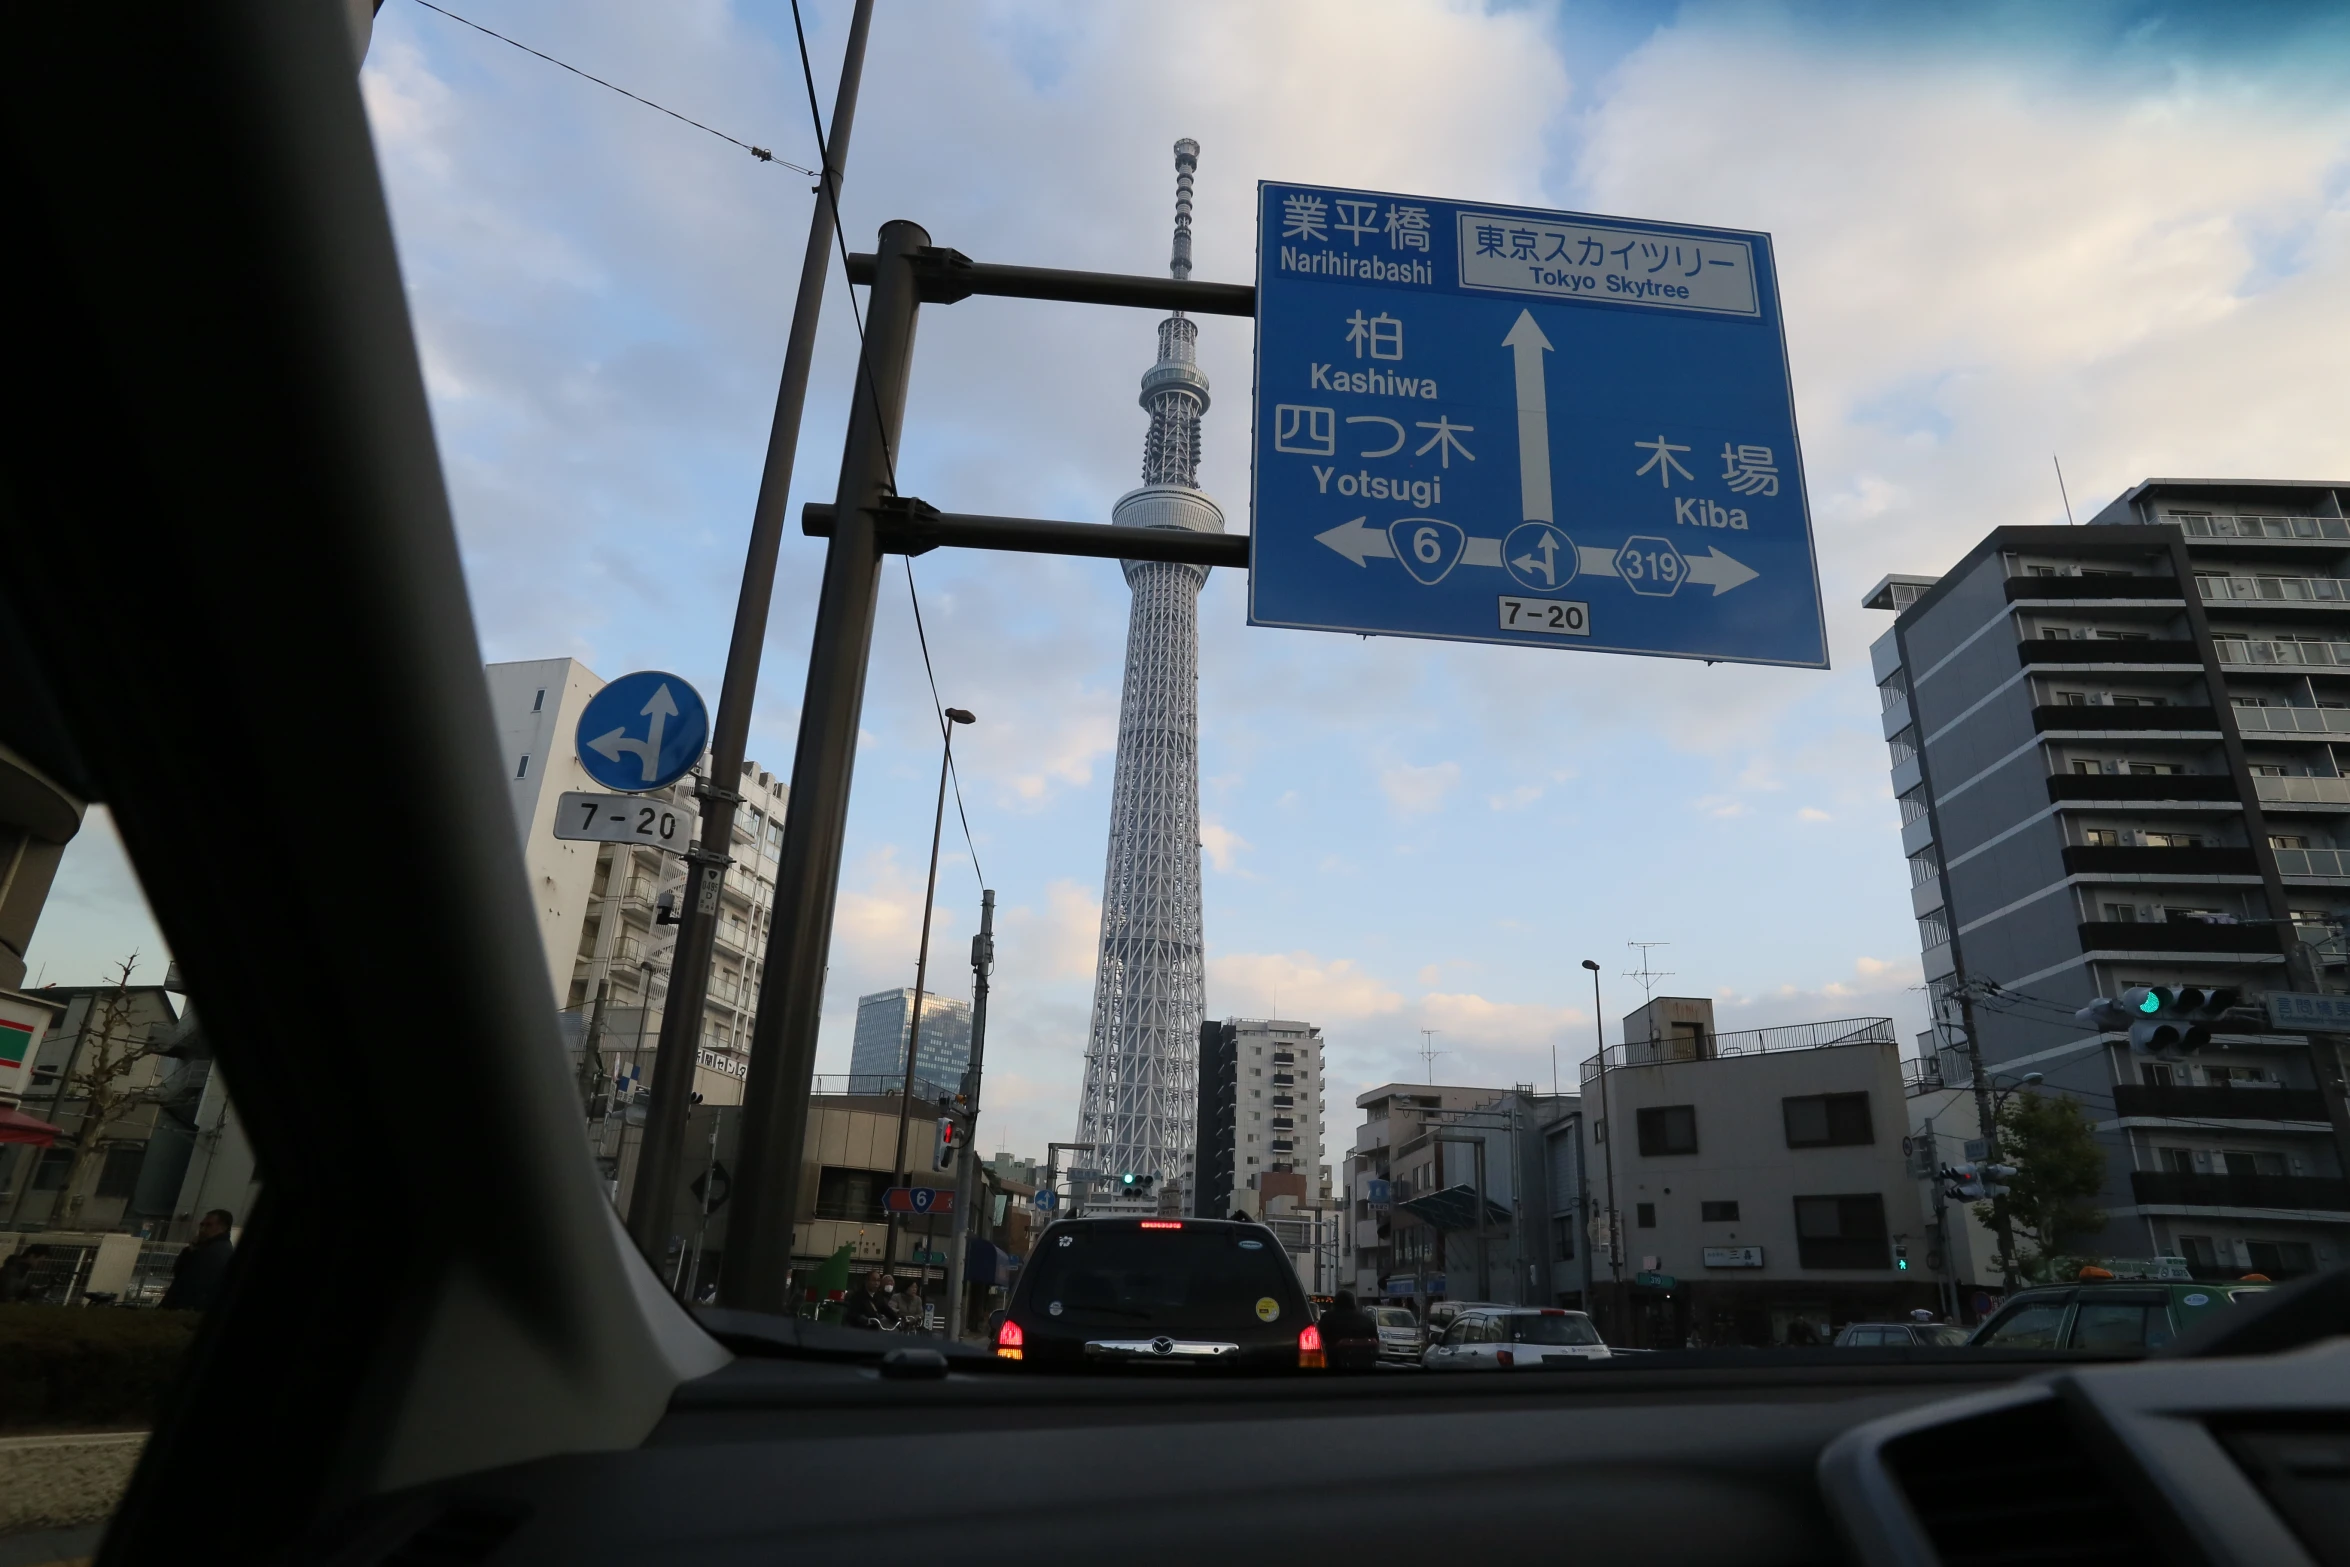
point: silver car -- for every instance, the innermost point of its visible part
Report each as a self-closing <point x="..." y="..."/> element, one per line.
<point x="1516" y="1338"/>
<point x="1400" y="1337"/>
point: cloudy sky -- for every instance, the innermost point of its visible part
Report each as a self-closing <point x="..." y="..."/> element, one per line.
<point x="2121" y="237"/>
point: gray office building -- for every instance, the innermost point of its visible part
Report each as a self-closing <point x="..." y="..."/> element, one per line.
<point x="877" y="1057"/>
<point x="2118" y="751"/>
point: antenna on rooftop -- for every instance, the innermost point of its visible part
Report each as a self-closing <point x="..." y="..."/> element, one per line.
<point x="1429" y="1052"/>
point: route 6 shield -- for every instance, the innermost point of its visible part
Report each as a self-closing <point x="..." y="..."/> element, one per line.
<point x="1429" y="547"/>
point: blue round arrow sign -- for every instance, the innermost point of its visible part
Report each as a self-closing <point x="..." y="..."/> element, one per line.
<point x="643" y="731"/>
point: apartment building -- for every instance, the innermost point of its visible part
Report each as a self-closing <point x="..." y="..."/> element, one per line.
<point x="942" y="1051"/>
<point x="602" y="918"/>
<point x="2118" y="751"/>
<point x="1394" y="1115"/>
<point x="1757" y="1185"/>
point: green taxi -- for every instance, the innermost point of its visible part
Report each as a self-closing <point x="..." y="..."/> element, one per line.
<point x="2127" y="1316"/>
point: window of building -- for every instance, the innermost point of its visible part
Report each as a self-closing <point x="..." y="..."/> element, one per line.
<point x="2178" y="1161"/>
<point x="1563" y="1237"/>
<point x="522" y="768"/>
<point x="2201" y="1255"/>
<point x="2102" y="837"/>
<point x="119" y="1176"/>
<point x="2156" y="1074"/>
<point x="2072" y="699"/>
<point x="849" y="1194"/>
<point x="2288" y="840"/>
<point x="1644" y="1215"/>
<point x="2121" y="914"/>
<point x="2155" y="769"/>
<point x="1841" y="1232"/>
<point x="1827" y="1120"/>
<point x="1718" y="1212"/>
<point x="2280" y="1259"/>
<point x="49" y="1174"/>
<point x="1668" y="1129"/>
<point x="540" y="701"/>
<point x="2245" y="1161"/>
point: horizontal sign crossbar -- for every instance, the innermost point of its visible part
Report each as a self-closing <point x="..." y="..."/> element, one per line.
<point x="914" y="529"/>
<point x="943" y="276"/>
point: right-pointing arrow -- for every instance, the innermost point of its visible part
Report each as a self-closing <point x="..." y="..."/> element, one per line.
<point x="1719" y="570"/>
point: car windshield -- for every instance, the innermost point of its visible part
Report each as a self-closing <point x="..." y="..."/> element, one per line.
<point x="833" y="716"/>
<point x="1192" y="1279"/>
<point x="1553" y="1329"/>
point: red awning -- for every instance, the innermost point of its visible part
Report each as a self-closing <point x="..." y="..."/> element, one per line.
<point x="17" y="1127"/>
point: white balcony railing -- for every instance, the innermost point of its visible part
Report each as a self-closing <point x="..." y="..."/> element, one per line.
<point x="2242" y="652"/>
<point x="2293" y="720"/>
<point x="2222" y="525"/>
<point x="2303" y="791"/>
<point x="2274" y="590"/>
<point x="2313" y="862"/>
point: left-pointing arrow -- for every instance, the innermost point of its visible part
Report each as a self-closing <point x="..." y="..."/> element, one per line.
<point x="1358" y="543"/>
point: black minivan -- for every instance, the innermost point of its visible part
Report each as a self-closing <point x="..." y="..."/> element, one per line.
<point x="1199" y="1294"/>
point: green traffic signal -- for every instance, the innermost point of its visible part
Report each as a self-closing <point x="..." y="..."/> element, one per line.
<point x="2152" y="1004"/>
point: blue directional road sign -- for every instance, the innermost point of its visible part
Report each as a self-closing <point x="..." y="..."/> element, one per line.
<point x="643" y="731"/>
<point x="1489" y="424"/>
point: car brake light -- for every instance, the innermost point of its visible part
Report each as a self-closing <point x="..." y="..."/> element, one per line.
<point x="1008" y="1340"/>
<point x="1162" y="1224"/>
<point x="1309" y="1348"/>
<point x="1504" y="1357"/>
<point x="1553" y="1311"/>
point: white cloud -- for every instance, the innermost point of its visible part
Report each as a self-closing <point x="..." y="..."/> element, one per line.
<point x="1515" y="799"/>
<point x="1418" y="791"/>
<point x="1222" y="844"/>
<point x="1812" y="813"/>
<point x="1296" y="984"/>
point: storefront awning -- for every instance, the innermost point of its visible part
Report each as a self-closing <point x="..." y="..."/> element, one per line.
<point x="1454" y="1208"/>
<point x="17" y="1127"/>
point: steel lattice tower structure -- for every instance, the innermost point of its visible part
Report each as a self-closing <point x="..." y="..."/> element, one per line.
<point x="1149" y="989"/>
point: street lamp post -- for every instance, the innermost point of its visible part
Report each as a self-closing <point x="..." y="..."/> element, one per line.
<point x="954" y="716"/>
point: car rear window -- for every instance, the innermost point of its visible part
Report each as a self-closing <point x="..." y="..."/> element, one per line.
<point x="1944" y="1334"/>
<point x="1192" y="1279"/>
<point x="1553" y="1330"/>
<point x="2031" y="1325"/>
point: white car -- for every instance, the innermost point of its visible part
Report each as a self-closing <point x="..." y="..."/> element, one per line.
<point x="1400" y="1337"/>
<point x="1516" y="1338"/>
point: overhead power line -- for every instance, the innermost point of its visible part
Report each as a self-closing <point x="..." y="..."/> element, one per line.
<point x="760" y="153"/>
<point x="889" y="458"/>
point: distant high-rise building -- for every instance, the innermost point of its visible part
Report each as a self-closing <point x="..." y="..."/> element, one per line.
<point x="877" y="1058"/>
<point x="1149" y="992"/>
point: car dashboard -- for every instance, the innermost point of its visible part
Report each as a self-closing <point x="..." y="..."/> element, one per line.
<point x="1899" y="1457"/>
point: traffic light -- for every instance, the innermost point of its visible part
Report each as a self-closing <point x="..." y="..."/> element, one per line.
<point x="950" y="1140"/>
<point x="1900" y="1258"/>
<point x="1964" y="1182"/>
<point x="2161" y="1019"/>
<point x="1995" y="1177"/>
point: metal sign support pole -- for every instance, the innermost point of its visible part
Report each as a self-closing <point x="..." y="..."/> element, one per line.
<point x="755" y="1274"/>
<point x="652" y="1204"/>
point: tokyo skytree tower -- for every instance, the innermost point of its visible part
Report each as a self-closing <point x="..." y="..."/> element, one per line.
<point x="1149" y="986"/>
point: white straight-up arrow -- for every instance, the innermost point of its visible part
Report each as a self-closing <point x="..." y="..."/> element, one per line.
<point x="1527" y="344"/>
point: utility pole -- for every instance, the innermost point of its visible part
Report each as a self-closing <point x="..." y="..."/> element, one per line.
<point x="1052" y="1167"/>
<point x="652" y="1204"/>
<point x="1989" y="1115"/>
<point x="967" y="1177"/>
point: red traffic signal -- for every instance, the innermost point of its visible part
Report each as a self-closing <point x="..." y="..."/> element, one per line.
<point x="950" y="1140"/>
